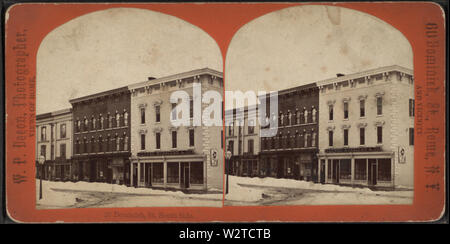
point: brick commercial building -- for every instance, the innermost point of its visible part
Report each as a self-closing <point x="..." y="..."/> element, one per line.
<point x="101" y="137"/>
<point x="188" y="157"/>
<point x="291" y="153"/>
<point x="54" y="142"/>
<point x="366" y="128"/>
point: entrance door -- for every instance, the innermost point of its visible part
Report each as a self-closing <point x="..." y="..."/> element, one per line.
<point x="372" y="172"/>
<point x="184" y="177"/>
<point x="336" y="171"/>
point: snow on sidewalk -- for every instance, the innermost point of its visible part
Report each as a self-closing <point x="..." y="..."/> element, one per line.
<point x="65" y="194"/>
<point x="242" y="189"/>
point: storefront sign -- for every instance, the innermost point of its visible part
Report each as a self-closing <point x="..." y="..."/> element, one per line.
<point x="401" y="155"/>
<point x="354" y="149"/>
<point x="214" y="157"/>
<point x="166" y="153"/>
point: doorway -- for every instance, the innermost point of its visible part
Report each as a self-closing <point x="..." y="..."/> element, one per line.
<point x="322" y="171"/>
<point x="184" y="178"/>
<point x="372" y="172"/>
<point x="336" y="171"/>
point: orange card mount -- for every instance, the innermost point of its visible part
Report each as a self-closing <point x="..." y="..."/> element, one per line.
<point x="59" y="72"/>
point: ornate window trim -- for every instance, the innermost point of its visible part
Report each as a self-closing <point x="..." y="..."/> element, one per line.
<point x="362" y="125"/>
<point x="331" y="128"/>
<point x="379" y="123"/>
<point x="345" y="127"/>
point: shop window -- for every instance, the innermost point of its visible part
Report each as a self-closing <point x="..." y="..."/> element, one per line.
<point x="142" y="172"/>
<point x="196" y="172"/>
<point x="345" y="171"/>
<point x="173" y="173"/>
<point x="360" y="169"/>
<point x="384" y="169"/>
<point x="158" y="173"/>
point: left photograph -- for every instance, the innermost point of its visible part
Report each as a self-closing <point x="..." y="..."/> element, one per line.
<point x="129" y="113"/>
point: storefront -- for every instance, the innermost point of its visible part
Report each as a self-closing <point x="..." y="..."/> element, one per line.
<point x="182" y="170"/>
<point x="245" y="165"/>
<point x="360" y="166"/>
<point x="99" y="168"/>
<point x="290" y="164"/>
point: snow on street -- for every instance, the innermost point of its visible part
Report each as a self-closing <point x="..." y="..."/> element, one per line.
<point x="270" y="191"/>
<point x="102" y="195"/>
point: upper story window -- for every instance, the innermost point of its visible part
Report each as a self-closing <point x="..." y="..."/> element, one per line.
<point x="142" y="141"/>
<point x="411" y="136"/>
<point x="251" y="126"/>
<point x="43" y="133"/>
<point x="125" y="118"/>
<point x="362" y="108"/>
<point x="158" y="140"/>
<point x="174" y="111"/>
<point x="231" y="129"/>
<point x="191" y="138"/>
<point x="174" y="139"/>
<point x="142" y="110"/>
<point x="86" y="124"/>
<point x="191" y="108"/>
<point x="411" y="107"/>
<point x="250" y="146"/>
<point x="44" y="151"/>
<point x="379" y="134"/>
<point x="62" y="131"/>
<point x="117" y="119"/>
<point x="330" y="138"/>
<point x="100" y="119"/>
<point x="346" y="110"/>
<point x="362" y="136"/>
<point x="314" y="115"/>
<point x="330" y="112"/>
<point x="345" y="137"/>
<point x="297" y="117"/>
<point x="379" y="105"/>
<point x="305" y="113"/>
<point x="158" y="113"/>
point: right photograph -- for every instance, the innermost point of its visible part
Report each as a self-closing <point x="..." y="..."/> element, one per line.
<point x="319" y="110"/>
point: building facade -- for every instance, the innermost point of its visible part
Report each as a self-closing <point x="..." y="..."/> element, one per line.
<point x="366" y="128"/>
<point x="164" y="155"/>
<point x="243" y="141"/>
<point x="101" y="137"/>
<point x="291" y="153"/>
<point x="54" y="142"/>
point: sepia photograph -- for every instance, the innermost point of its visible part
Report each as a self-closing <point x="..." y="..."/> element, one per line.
<point x="105" y="136"/>
<point x="343" y="125"/>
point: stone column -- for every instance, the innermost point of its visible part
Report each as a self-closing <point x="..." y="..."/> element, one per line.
<point x="326" y="170"/>
<point x="131" y="173"/>
<point x="138" y="174"/>
<point x="165" y="172"/>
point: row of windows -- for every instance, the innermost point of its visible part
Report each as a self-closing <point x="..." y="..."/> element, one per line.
<point x="173" y="112"/>
<point x="362" y="136"/>
<point x="362" y="108"/>
<point x="153" y="173"/>
<point x="109" y="144"/>
<point x="62" y="151"/>
<point x="101" y="122"/>
<point x="250" y="146"/>
<point x="295" y="141"/>
<point x="174" y="136"/>
<point x="62" y="132"/>
<point x="250" y="128"/>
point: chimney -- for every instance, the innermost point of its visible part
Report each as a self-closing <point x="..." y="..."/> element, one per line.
<point x="339" y="74"/>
